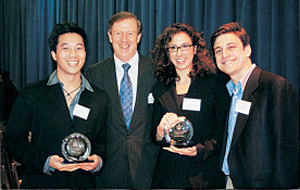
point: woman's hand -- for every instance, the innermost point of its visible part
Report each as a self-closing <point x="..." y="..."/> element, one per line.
<point x="168" y="120"/>
<point x="189" y="151"/>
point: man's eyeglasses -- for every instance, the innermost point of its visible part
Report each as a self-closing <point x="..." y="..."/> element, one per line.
<point x="184" y="47"/>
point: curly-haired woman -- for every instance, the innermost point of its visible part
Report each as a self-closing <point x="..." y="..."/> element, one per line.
<point x="188" y="86"/>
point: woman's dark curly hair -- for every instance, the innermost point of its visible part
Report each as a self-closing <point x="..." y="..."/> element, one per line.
<point x="165" y="70"/>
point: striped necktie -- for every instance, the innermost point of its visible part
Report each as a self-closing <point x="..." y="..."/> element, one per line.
<point x="126" y="95"/>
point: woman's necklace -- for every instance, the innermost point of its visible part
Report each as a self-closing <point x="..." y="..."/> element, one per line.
<point x="69" y="93"/>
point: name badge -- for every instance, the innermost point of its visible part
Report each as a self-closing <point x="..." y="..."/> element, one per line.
<point x="81" y="111"/>
<point x="191" y="104"/>
<point x="243" y="107"/>
<point x="150" y="98"/>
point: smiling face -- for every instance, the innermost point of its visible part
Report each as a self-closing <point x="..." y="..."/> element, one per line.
<point x="182" y="60"/>
<point x="231" y="57"/>
<point x="124" y="38"/>
<point x="70" y="54"/>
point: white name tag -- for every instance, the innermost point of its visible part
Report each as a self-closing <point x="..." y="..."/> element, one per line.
<point x="191" y="104"/>
<point x="150" y="98"/>
<point x="81" y="111"/>
<point x="243" y="107"/>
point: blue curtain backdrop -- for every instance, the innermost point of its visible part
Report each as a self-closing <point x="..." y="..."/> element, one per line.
<point x="273" y="26"/>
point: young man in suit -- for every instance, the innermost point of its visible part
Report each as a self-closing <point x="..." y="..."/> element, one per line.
<point x="262" y="145"/>
<point x="53" y="109"/>
<point x="131" y="155"/>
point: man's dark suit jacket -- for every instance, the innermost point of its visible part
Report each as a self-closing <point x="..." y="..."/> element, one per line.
<point x="43" y="110"/>
<point x="264" y="151"/>
<point x="131" y="155"/>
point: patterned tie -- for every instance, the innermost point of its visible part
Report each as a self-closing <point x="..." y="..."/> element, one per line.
<point x="126" y="95"/>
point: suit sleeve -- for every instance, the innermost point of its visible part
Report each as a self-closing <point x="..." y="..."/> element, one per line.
<point x="285" y="118"/>
<point x="101" y="127"/>
<point x="220" y="106"/>
<point x="158" y="113"/>
<point x="16" y="141"/>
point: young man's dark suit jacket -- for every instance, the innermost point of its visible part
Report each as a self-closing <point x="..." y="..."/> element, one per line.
<point x="131" y="155"/>
<point x="265" y="146"/>
<point x="43" y="110"/>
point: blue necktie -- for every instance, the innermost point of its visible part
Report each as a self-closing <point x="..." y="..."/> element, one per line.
<point x="126" y="95"/>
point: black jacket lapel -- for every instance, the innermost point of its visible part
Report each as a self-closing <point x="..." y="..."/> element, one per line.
<point x="251" y="86"/>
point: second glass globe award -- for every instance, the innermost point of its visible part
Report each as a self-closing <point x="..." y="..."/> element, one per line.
<point x="181" y="133"/>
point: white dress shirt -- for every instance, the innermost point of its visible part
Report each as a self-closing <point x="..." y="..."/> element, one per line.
<point x="133" y="74"/>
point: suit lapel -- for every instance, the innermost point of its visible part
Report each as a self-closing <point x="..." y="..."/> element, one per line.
<point x="251" y="86"/>
<point x="57" y="98"/>
<point x="168" y="99"/>
<point x="143" y="83"/>
<point x="110" y="84"/>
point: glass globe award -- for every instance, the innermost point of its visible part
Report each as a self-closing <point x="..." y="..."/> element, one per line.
<point x="76" y="148"/>
<point x="181" y="133"/>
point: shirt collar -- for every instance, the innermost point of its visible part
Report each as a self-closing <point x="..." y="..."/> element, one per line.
<point x="131" y="62"/>
<point x="232" y="88"/>
<point x="53" y="79"/>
